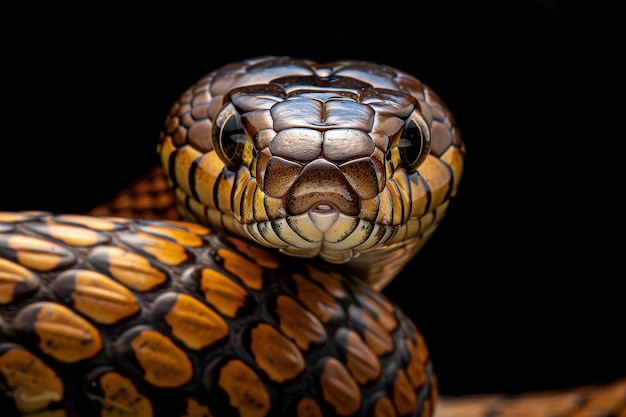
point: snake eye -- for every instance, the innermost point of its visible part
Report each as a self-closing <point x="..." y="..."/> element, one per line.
<point x="414" y="143"/>
<point x="229" y="138"/>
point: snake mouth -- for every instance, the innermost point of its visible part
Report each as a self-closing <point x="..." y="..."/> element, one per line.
<point x="323" y="208"/>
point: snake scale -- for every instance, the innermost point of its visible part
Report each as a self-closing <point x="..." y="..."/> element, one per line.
<point x="243" y="276"/>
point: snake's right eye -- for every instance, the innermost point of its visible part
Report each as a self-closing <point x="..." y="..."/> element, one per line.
<point x="229" y="137"/>
<point x="414" y="142"/>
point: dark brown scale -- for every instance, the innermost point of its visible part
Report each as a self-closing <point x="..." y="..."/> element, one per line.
<point x="279" y="175"/>
<point x="124" y="326"/>
<point x="362" y="177"/>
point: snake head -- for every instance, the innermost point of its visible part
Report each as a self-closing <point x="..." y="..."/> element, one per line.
<point x="311" y="160"/>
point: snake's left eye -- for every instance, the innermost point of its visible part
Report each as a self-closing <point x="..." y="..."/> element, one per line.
<point x="414" y="142"/>
<point x="229" y="138"/>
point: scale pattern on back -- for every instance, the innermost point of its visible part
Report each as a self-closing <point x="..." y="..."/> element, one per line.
<point x="121" y="317"/>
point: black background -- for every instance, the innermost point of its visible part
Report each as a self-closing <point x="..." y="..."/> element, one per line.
<point x="520" y="288"/>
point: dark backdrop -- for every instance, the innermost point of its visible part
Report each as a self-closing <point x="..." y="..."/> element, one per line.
<point x="521" y="286"/>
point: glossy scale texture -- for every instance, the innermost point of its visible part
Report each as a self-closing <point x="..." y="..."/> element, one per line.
<point x="121" y="317"/>
<point x="107" y="316"/>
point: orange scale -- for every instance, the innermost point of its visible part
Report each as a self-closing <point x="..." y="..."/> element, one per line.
<point x="375" y="336"/>
<point x="383" y="316"/>
<point x="163" y="250"/>
<point x="404" y="396"/>
<point x="223" y="293"/>
<point x="416" y="371"/>
<point x="298" y="323"/>
<point x="132" y="270"/>
<point x="35" y="253"/>
<point x="13" y="217"/>
<point x="15" y="281"/>
<point x="384" y="408"/>
<point x="70" y="235"/>
<point x="96" y="223"/>
<point x="95" y="295"/>
<point x="339" y="389"/>
<point x="249" y="272"/>
<point x="319" y="301"/>
<point x="245" y="390"/>
<point x="420" y="349"/>
<point x="180" y="236"/>
<point x="276" y="355"/>
<point x="164" y="364"/>
<point x="118" y="395"/>
<point x="196" y="409"/>
<point x="59" y="332"/>
<point x="329" y="279"/>
<point x="31" y="383"/>
<point x="308" y="407"/>
<point x="191" y="322"/>
<point x="359" y="358"/>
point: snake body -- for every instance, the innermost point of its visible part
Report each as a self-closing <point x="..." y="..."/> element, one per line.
<point x="246" y="280"/>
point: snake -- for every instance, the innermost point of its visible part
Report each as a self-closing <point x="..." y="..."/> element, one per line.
<point x="243" y="276"/>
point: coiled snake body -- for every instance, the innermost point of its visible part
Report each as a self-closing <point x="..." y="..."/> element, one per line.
<point x="295" y="192"/>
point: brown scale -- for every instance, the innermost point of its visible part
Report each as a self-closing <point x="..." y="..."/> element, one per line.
<point x="108" y="319"/>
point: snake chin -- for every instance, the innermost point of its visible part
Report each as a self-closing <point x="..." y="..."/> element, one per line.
<point x="322" y="231"/>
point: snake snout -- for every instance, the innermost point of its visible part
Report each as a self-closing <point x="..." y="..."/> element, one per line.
<point x="321" y="189"/>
